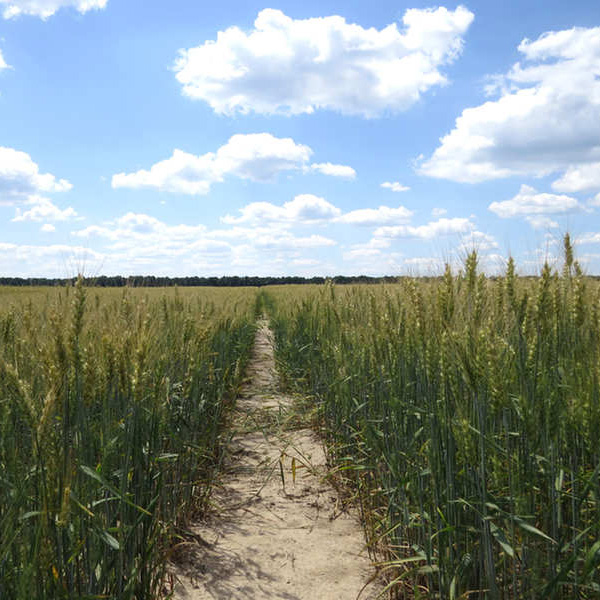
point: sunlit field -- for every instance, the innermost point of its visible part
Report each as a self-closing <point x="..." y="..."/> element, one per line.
<point x="465" y="414"/>
<point x="111" y="413"/>
<point x="460" y="413"/>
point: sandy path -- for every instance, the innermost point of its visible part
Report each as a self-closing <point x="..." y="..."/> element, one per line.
<point x="274" y="538"/>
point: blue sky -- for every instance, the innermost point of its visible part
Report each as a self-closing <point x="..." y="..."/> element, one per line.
<point x="313" y="138"/>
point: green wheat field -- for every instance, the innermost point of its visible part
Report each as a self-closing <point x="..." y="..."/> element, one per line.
<point x="462" y="414"/>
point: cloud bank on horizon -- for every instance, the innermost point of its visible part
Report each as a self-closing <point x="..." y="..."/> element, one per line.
<point x="278" y="148"/>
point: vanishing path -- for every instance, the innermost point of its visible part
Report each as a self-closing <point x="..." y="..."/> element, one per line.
<point x="271" y="537"/>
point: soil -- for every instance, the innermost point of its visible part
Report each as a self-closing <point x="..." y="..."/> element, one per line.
<point x="278" y="528"/>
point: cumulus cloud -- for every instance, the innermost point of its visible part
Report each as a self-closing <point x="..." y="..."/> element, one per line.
<point x="541" y="222"/>
<point x="46" y="8"/>
<point x="137" y="228"/>
<point x="371" y="249"/>
<point x="579" y="178"/>
<point x="429" y="231"/>
<point x="307" y="209"/>
<point x="529" y="202"/>
<point x="424" y="265"/>
<point x="20" y="178"/>
<point x="143" y="237"/>
<point x="384" y="215"/>
<point x="438" y="212"/>
<point x="47" y="228"/>
<point x="183" y="173"/>
<point x="43" y="209"/>
<point x="55" y="260"/>
<point x="589" y="238"/>
<point x="373" y="258"/>
<point x="395" y="186"/>
<point x="288" y="241"/>
<point x="489" y="263"/>
<point x="477" y="240"/>
<point x="293" y="66"/>
<point x="303" y="209"/>
<point x="257" y="157"/>
<point x="334" y="170"/>
<point x="3" y="63"/>
<point x="545" y="120"/>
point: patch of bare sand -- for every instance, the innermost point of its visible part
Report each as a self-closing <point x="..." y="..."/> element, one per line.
<point x="271" y="536"/>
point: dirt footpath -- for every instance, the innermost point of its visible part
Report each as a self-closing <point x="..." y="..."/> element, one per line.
<point x="278" y="530"/>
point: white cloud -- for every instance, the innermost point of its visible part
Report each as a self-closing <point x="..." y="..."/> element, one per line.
<point x="541" y="222"/>
<point x="369" y="250"/>
<point x="182" y="173"/>
<point x="48" y="228"/>
<point x="46" y="8"/>
<point x="133" y="229"/>
<point x="578" y="178"/>
<point x="307" y="209"/>
<point x="303" y="209"/>
<point x="257" y="156"/>
<point x="395" y="186"/>
<point x="43" y="209"/>
<point x="426" y="232"/>
<point x="56" y="260"/>
<point x="362" y="254"/>
<point x="334" y="170"/>
<point x="489" y="263"/>
<point x="438" y="212"/>
<point x="372" y="258"/>
<point x="546" y="120"/>
<point x="260" y="156"/>
<point x="269" y="236"/>
<point x="384" y="215"/>
<point x="424" y="265"/>
<point x="20" y="178"/>
<point x="589" y="238"/>
<point x="595" y="201"/>
<point x="528" y="202"/>
<point x="293" y="66"/>
<point x="477" y="240"/>
<point x="288" y="241"/>
<point x="3" y="63"/>
<point x="138" y="239"/>
<point x="141" y="244"/>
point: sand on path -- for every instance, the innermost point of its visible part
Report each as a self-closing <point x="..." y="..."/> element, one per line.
<point x="279" y="530"/>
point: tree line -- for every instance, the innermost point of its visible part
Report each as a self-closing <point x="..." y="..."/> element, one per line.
<point x="154" y="281"/>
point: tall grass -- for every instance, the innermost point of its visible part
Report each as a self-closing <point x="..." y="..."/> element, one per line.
<point x="111" y="407"/>
<point x="466" y="413"/>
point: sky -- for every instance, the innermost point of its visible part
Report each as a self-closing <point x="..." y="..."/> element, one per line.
<point x="144" y="137"/>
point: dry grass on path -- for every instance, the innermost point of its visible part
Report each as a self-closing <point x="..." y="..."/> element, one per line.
<point x="277" y="530"/>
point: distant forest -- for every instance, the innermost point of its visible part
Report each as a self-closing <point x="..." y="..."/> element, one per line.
<point x="152" y="281"/>
<point x="226" y="281"/>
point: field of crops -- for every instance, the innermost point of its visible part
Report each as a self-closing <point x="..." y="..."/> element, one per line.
<point x="463" y="412"/>
<point x="466" y="412"/>
<point x="111" y="407"/>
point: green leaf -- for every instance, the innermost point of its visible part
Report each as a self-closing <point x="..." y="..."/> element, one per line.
<point x="30" y="514"/>
<point x="591" y="559"/>
<point x="531" y="529"/>
<point x="501" y="539"/>
<point x="110" y="540"/>
<point x="94" y="475"/>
